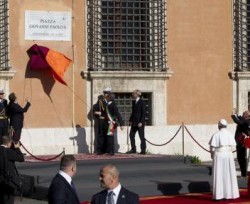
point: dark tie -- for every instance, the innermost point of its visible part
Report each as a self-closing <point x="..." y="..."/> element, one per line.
<point x="111" y="198"/>
<point x="73" y="186"/>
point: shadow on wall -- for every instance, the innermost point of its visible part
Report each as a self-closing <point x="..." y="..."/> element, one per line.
<point x="94" y="123"/>
<point x="80" y="140"/>
<point x="46" y="78"/>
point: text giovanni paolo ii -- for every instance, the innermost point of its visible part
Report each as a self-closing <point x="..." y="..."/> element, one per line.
<point x="48" y="24"/>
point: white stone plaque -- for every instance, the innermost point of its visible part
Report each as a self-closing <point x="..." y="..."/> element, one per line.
<point x="48" y="25"/>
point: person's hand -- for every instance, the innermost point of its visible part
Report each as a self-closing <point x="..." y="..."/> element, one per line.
<point x="28" y="101"/>
<point x="139" y="125"/>
<point x="234" y="111"/>
<point x="244" y="135"/>
<point x="212" y="155"/>
<point x="17" y="144"/>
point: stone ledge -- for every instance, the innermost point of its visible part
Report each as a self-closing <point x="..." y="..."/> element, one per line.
<point x="239" y="75"/>
<point x="7" y="74"/>
<point x="128" y="74"/>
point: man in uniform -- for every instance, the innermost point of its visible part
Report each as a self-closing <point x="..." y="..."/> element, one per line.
<point x="113" y="120"/>
<point x="99" y="111"/>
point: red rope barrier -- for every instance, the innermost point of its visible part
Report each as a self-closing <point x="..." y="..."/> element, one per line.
<point x="195" y="139"/>
<point x="167" y="141"/>
<point x="198" y="143"/>
<point x="49" y="159"/>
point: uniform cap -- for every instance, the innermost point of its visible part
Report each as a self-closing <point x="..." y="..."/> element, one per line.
<point x="107" y="89"/>
<point x="1" y="91"/>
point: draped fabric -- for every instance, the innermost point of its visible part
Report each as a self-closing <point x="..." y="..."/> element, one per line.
<point x="44" y="58"/>
<point x="112" y="123"/>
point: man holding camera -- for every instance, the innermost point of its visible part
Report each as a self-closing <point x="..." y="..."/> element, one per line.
<point x="9" y="153"/>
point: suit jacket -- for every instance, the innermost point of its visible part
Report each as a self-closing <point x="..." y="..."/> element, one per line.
<point x="61" y="192"/>
<point x="3" y="113"/>
<point x="12" y="155"/>
<point x="15" y="113"/>
<point x="138" y="112"/>
<point x="243" y="125"/>
<point x="125" y="197"/>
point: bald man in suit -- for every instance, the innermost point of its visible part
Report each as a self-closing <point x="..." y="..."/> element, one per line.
<point x="114" y="192"/>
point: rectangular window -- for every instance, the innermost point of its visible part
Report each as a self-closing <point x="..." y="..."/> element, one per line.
<point x="4" y="35"/>
<point x="124" y="105"/>
<point x="126" y="35"/>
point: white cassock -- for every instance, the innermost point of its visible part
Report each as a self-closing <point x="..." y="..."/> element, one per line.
<point x="225" y="184"/>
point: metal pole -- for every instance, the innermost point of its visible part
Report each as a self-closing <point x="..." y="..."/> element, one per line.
<point x="183" y="148"/>
<point x="92" y="118"/>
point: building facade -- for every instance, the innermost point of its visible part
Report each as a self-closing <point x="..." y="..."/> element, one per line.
<point x="188" y="57"/>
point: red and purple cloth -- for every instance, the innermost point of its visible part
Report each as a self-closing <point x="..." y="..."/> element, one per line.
<point x="44" y="58"/>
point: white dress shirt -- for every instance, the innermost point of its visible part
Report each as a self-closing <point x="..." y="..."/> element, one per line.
<point x="66" y="176"/>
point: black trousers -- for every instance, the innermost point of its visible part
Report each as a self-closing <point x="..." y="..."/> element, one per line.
<point x="17" y="134"/>
<point x="101" y="136"/>
<point x="241" y="157"/>
<point x="110" y="144"/>
<point x="133" y="131"/>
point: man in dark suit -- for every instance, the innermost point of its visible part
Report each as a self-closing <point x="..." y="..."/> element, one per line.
<point x="137" y="122"/>
<point x="62" y="189"/>
<point x="16" y="116"/>
<point x="114" y="192"/>
<point x="242" y="130"/>
<point x="8" y="157"/>
<point x="4" y="124"/>
<point x="113" y="119"/>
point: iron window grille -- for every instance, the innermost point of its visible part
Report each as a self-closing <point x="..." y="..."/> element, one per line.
<point x="124" y="105"/>
<point x="241" y="35"/>
<point x="126" y="35"/>
<point x="4" y="35"/>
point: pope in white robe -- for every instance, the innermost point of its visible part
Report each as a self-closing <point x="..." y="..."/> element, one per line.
<point x="222" y="143"/>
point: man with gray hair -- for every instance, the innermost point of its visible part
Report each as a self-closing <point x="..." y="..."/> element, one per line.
<point x="137" y="122"/>
<point x="62" y="189"/>
<point x="222" y="143"/>
<point x="114" y="192"/>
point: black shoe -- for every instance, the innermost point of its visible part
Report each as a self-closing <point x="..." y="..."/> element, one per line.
<point x="110" y="153"/>
<point x="99" y="153"/>
<point x="142" y="152"/>
<point x="131" y="152"/>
